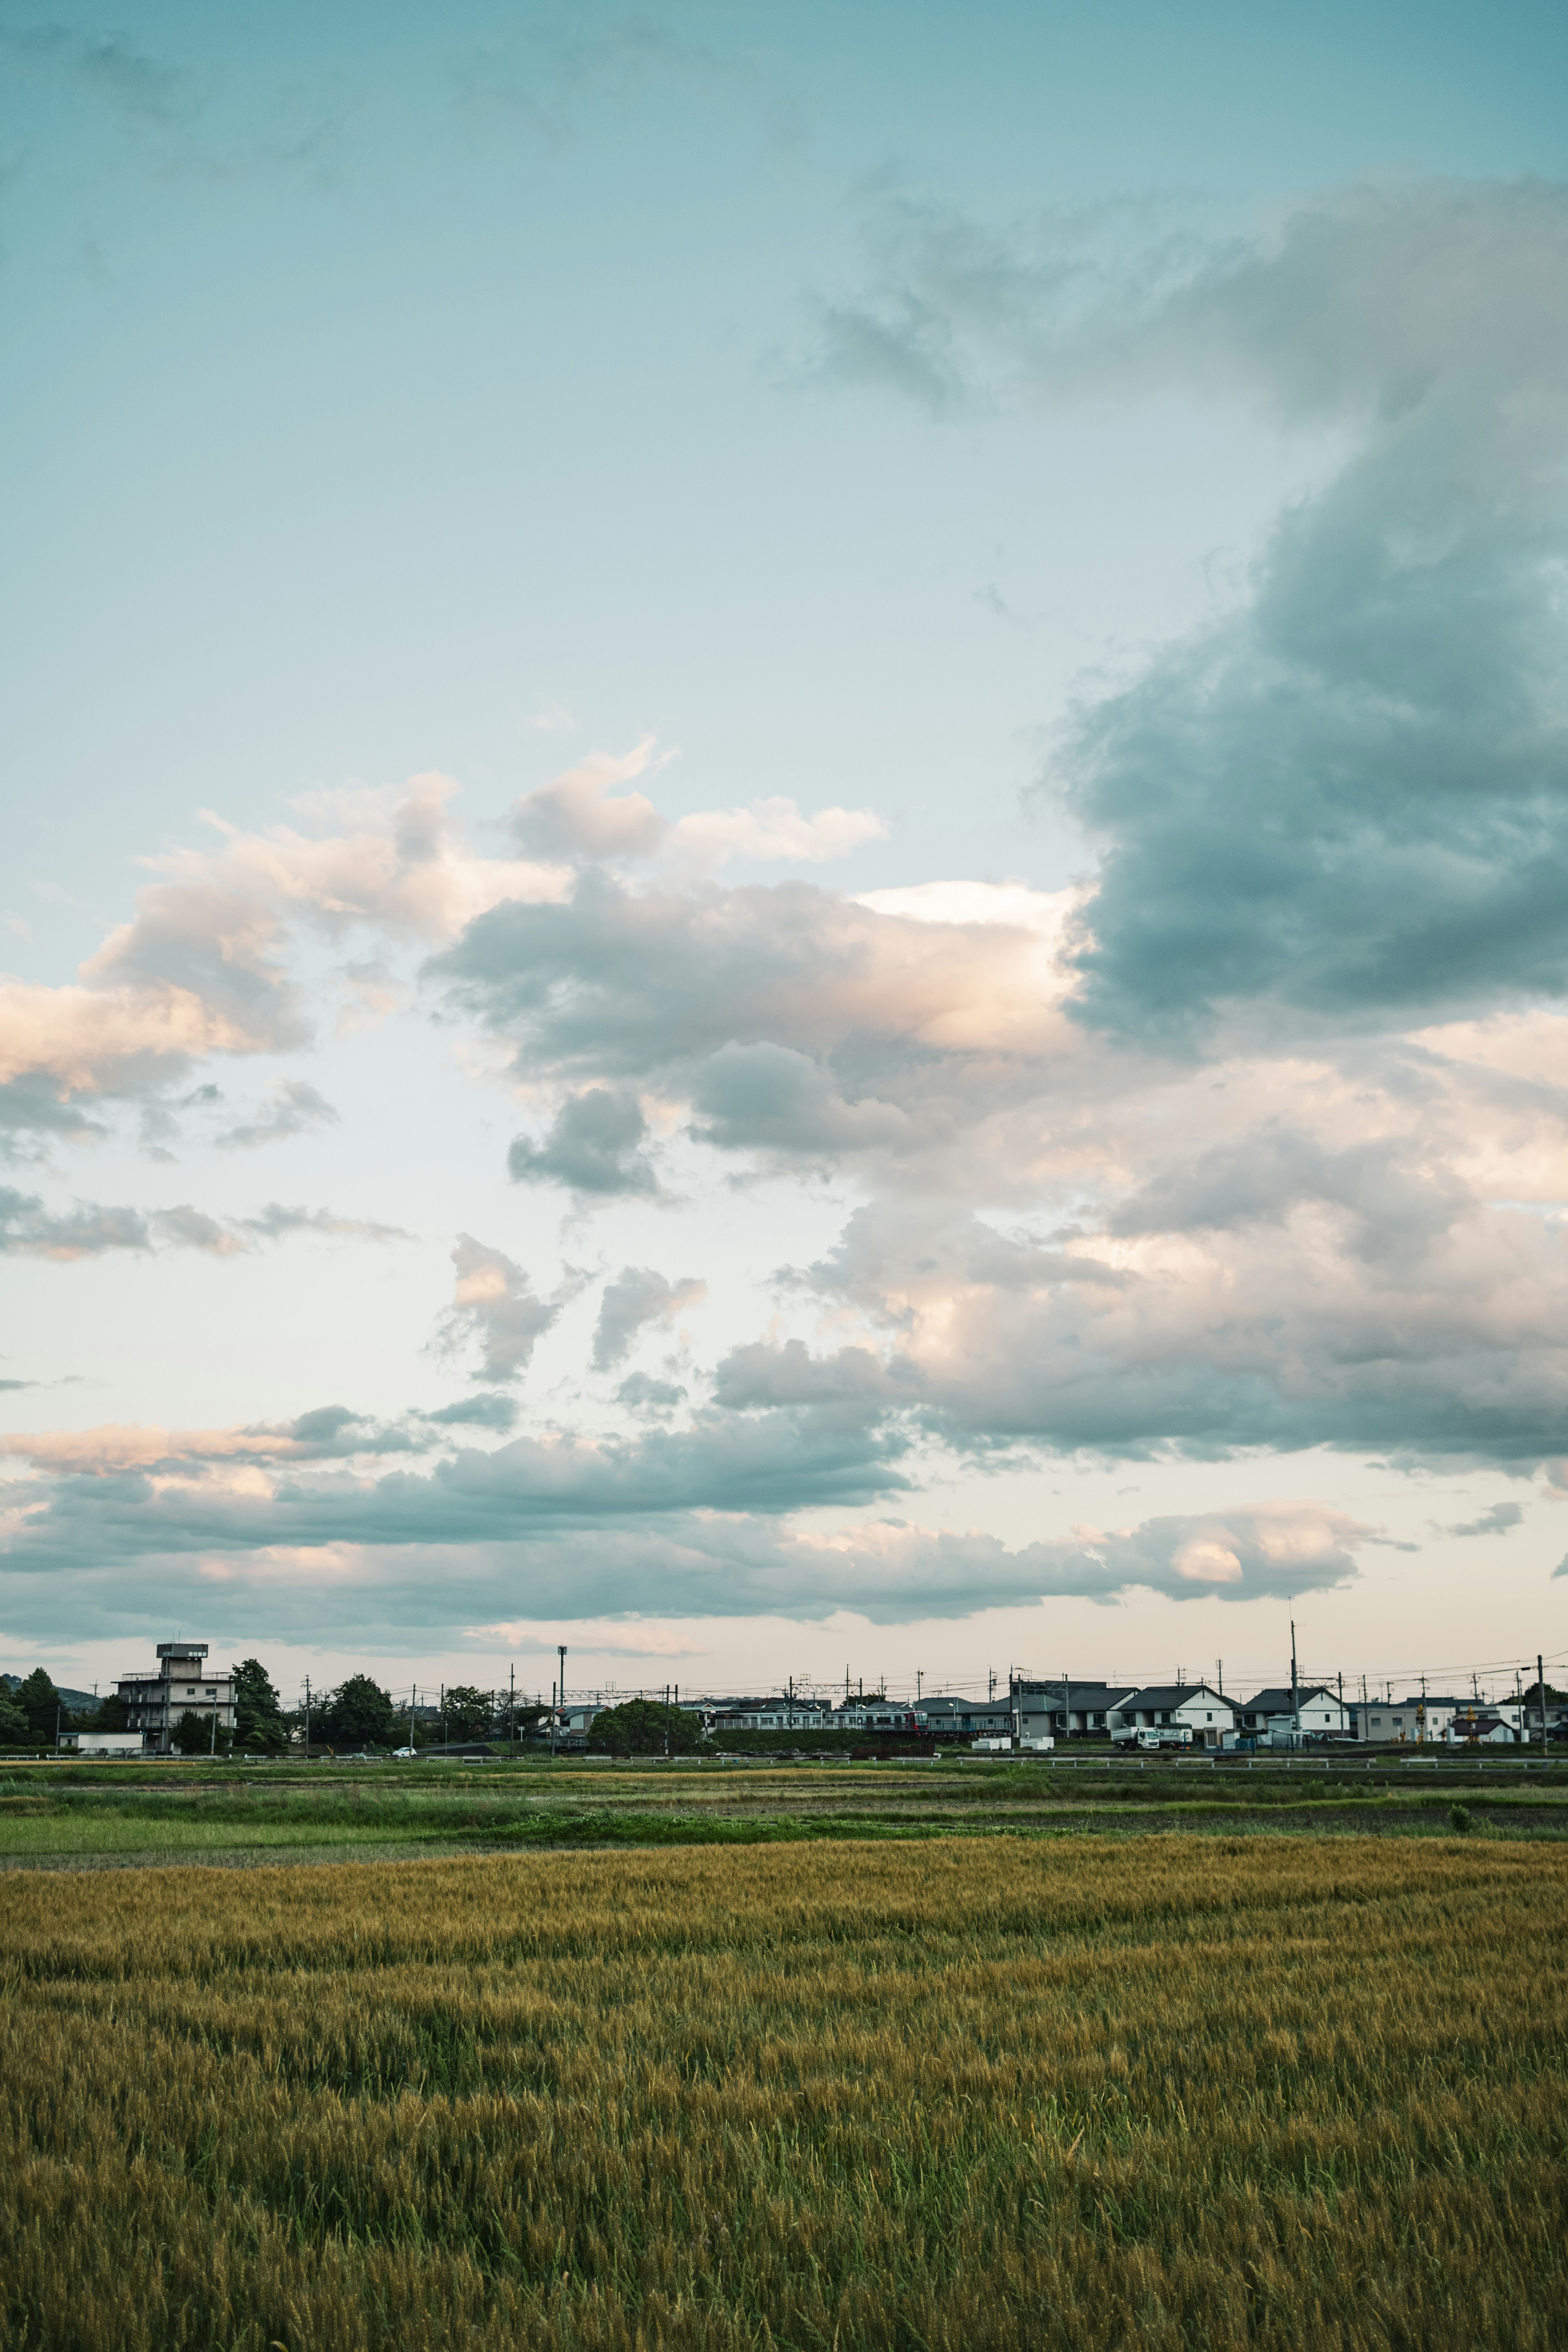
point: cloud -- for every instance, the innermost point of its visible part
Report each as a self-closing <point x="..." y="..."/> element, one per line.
<point x="575" y="817"/>
<point x="582" y="815"/>
<point x="1288" y="1335"/>
<point x="204" y="968"/>
<point x="598" y="1531"/>
<point x="639" y="1392"/>
<point x="489" y="1409"/>
<point x="143" y="87"/>
<point x="636" y="1298"/>
<point x="91" y="1229"/>
<point x="292" y="1109"/>
<point x="772" y="830"/>
<point x="325" y="1433"/>
<point x="794" y="1021"/>
<point x="1498" y="1521"/>
<point x="594" y="1146"/>
<point x="1350" y="798"/>
<point x="495" y="1309"/>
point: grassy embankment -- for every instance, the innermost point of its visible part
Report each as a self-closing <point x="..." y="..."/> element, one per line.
<point x="1216" y="2093"/>
<point x="79" y="1815"/>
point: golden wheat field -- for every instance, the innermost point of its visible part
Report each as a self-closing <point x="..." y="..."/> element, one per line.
<point x="1161" y="2092"/>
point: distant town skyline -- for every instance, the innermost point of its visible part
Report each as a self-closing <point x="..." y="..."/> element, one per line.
<point x="786" y="837"/>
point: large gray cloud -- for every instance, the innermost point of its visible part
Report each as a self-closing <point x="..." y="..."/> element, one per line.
<point x="1352" y="796"/>
<point x="1446" y="1341"/>
<point x="569" y="1530"/>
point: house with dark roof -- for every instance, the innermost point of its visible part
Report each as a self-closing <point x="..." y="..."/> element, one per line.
<point x="1068" y="1710"/>
<point x="1273" y="1713"/>
<point x="1172" y="1715"/>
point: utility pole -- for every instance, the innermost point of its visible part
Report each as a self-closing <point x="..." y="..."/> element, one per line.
<point x="1421" y="1733"/>
<point x="308" y="1718"/>
<point x="1541" y="1694"/>
<point x="412" y="1706"/>
<point x="667" y="1719"/>
<point x="1295" y="1687"/>
<point x="1220" y="1670"/>
<point x="1067" y="1706"/>
<point x="561" y="1653"/>
<point x="511" y="1712"/>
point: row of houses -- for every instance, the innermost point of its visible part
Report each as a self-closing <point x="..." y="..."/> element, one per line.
<point x="1036" y="1715"/>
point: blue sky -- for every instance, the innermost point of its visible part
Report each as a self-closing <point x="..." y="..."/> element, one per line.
<point x="1010" y="1108"/>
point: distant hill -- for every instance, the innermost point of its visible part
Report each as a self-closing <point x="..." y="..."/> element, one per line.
<point x="79" y="1702"/>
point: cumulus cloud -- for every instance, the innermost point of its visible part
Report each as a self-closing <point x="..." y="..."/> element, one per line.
<point x="584" y="814"/>
<point x="1288" y="1335"/>
<point x="495" y="1310"/>
<point x="595" y="1146"/>
<point x="203" y="966"/>
<point x="795" y="1024"/>
<point x="575" y="815"/>
<point x="637" y="1298"/>
<point x="1350" y="798"/>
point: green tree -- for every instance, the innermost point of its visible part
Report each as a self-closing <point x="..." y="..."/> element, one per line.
<point x="258" y="1710"/>
<point x="639" y="1728"/>
<point x="40" y="1702"/>
<point x="358" y="1713"/>
<point x="14" y="1725"/>
<point x="468" y="1712"/>
<point x="108" y="1716"/>
<point x="193" y="1735"/>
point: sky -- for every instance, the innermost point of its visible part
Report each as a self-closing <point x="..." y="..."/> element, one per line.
<point x="786" y="837"/>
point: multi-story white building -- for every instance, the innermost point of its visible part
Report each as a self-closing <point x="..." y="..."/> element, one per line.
<point x="1414" y="1722"/>
<point x="182" y="1684"/>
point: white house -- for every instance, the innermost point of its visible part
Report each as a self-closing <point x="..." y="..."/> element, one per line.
<point x="1068" y="1710"/>
<point x="1172" y="1715"/>
<point x="1273" y="1713"/>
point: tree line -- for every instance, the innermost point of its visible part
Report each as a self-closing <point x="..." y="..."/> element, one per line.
<point x="357" y="1713"/>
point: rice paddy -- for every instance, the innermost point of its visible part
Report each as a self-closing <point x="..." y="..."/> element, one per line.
<point x="80" y="1816"/>
<point x="936" y="2091"/>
